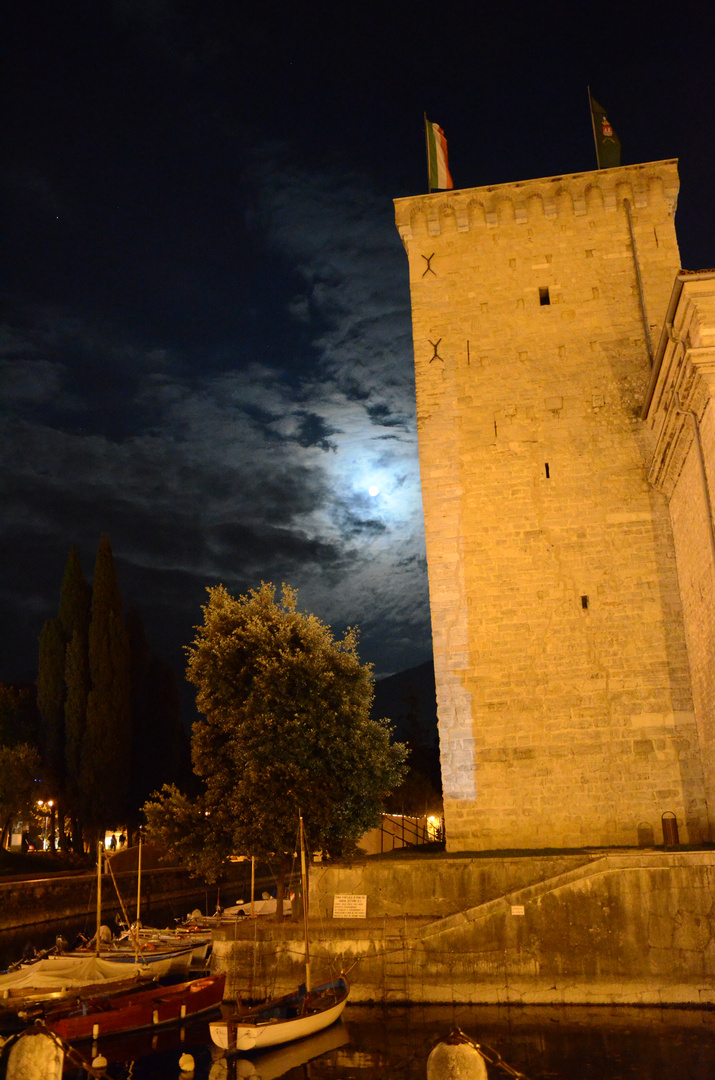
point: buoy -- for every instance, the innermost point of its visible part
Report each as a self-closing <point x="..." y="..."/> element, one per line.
<point x="100" y="1062"/>
<point x="245" y="1068"/>
<point x="186" y="1063"/>
<point x="456" y="1057"/>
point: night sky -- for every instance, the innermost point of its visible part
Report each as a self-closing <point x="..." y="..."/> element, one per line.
<point x="206" y="339"/>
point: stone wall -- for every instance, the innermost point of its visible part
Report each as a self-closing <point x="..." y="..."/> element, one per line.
<point x="565" y="707"/>
<point x="625" y="928"/>
<point x="74" y="896"/>
<point x="681" y="412"/>
<point x="450" y="886"/>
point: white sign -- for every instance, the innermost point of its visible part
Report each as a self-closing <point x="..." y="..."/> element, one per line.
<point x="517" y="909"/>
<point x="347" y="906"/>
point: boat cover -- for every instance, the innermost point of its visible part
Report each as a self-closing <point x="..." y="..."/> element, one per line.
<point x="56" y="972"/>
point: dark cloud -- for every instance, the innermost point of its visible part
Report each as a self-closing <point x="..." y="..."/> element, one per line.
<point x="205" y="345"/>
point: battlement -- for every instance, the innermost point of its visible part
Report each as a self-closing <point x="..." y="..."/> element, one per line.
<point x="554" y="197"/>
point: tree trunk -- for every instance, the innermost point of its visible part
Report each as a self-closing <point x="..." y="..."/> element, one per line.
<point x="280" y="890"/>
<point x="53" y="822"/>
<point x="77" y="844"/>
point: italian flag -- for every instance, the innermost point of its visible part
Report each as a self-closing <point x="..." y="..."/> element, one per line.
<point x="439" y="175"/>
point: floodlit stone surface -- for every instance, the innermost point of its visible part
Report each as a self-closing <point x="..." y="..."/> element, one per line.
<point x="625" y="928"/>
<point x="564" y="693"/>
<point x="680" y="412"/>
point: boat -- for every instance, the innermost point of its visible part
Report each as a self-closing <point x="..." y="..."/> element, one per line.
<point x="275" y="1062"/>
<point x="58" y="972"/>
<point x="294" y="1016"/>
<point x="282" y="1020"/>
<point x="91" y="1017"/>
<point x="57" y="976"/>
<point x="148" y="938"/>
<point x="147" y="958"/>
<point x="31" y="998"/>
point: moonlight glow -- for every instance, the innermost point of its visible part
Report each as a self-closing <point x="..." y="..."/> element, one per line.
<point x="373" y="490"/>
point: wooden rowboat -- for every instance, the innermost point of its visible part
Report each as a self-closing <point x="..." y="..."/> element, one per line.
<point x="282" y="1020"/>
<point x="102" y="1015"/>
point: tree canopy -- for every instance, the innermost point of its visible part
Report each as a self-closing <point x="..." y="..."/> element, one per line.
<point x="19" y="775"/>
<point x="286" y="725"/>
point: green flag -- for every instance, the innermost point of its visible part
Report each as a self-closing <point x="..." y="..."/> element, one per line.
<point x="608" y="145"/>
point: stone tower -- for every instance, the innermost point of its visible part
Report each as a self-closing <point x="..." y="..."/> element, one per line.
<point x="563" y="686"/>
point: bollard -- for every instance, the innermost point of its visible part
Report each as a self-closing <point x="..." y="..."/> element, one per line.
<point x="456" y="1058"/>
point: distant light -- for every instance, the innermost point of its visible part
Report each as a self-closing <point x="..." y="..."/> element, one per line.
<point x="373" y="490"/>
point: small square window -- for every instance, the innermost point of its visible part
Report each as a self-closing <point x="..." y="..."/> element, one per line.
<point x="544" y="297"/>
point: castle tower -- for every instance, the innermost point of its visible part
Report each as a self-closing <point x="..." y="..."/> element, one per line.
<point x="563" y="687"/>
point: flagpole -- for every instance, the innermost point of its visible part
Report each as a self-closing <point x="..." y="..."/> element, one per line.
<point x="429" y="174"/>
<point x="593" y="126"/>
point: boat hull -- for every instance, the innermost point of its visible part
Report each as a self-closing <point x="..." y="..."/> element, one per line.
<point x="101" y="1016"/>
<point x="261" y="1027"/>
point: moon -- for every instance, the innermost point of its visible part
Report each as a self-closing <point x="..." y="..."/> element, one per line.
<point x="373" y="490"/>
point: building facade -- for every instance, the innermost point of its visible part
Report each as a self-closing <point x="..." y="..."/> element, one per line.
<point x="564" y="689"/>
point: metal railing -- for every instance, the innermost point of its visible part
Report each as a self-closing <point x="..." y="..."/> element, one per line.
<point x="403" y="830"/>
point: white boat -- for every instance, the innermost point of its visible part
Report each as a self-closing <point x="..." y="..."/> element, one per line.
<point x="151" y="946"/>
<point x="150" y="938"/>
<point x="283" y="1020"/>
<point x="275" y="1062"/>
<point x="294" y="1016"/>
<point x="147" y="958"/>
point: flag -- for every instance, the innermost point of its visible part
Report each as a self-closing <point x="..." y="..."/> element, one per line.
<point x="608" y="145"/>
<point x="439" y="177"/>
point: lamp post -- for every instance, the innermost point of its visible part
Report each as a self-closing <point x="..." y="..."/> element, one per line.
<point x="46" y="810"/>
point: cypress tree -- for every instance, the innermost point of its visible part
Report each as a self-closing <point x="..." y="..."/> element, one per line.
<point x="77" y="686"/>
<point x="51" y="705"/>
<point x="74" y="613"/>
<point x="106" y="745"/>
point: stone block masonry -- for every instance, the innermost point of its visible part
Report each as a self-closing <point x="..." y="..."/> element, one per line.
<point x="620" y="928"/>
<point x="564" y="695"/>
<point x="680" y="412"/>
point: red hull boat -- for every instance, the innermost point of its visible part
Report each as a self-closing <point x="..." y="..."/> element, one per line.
<point x="101" y="1015"/>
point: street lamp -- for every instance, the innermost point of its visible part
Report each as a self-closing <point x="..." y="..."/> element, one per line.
<point x="46" y="810"/>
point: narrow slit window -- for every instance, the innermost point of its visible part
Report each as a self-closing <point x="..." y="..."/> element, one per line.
<point x="546" y="468"/>
<point x="584" y="602"/>
<point x="544" y="297"/>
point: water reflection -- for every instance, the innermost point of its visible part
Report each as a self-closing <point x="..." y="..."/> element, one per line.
<point x="601" y="1043"/>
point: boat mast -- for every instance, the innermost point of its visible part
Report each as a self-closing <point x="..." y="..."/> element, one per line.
<point x="99" y="895"/>
<point x="139" y="877"/>
<point x="304" y="890"/>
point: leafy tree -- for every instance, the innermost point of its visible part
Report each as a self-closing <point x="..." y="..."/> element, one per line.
<point x="19" y="718"/>
<point x="106" y="743"/>
<point x="19" y="776"/>
<point x="287" y="726"/>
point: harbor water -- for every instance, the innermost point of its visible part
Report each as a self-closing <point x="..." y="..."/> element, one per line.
<point x="374" y="1043"/>
<point x="380" y="1042"/>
